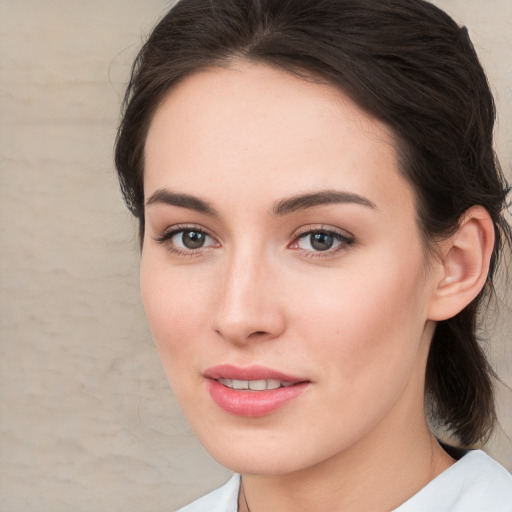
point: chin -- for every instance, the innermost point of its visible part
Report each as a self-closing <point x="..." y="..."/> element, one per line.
<point x="263" y="464"/>
<point x="265" y="453"/>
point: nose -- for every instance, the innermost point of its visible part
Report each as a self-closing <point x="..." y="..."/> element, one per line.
<point x="248" y="306"/>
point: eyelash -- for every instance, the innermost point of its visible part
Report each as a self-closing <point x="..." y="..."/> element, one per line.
<point x="343" y="240"/>
<point x="166" y="237"/>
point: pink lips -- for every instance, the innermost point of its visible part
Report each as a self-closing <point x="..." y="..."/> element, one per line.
<point x="252" y="403"/>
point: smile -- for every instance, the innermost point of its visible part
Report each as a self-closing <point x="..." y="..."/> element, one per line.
<point x="255" y="385"/>
<point x="254" y="391"/>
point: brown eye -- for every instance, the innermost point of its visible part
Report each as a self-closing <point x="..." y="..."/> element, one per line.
<point x="322" y="241"/>
<point x="190" y="239"/>
<point x="184" y="241"/>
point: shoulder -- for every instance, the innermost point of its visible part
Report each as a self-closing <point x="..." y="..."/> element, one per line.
<point x="475" y="483"/>
<point x="223" y="499"/>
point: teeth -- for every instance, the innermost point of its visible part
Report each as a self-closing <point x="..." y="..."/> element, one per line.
<point x="258" y="385"/>
<point x="240" y="384"/>
<point x="255" y="385"/>
<point x="273" y="384"/>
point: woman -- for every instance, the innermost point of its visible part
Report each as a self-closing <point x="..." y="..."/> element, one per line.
<point x="320" y="215"/>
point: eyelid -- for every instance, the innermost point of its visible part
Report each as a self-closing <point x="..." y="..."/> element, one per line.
<point x="345" y="238"/>
<point x="171" y="231"/>
<point x="305" y="230"/>
<point x="174" y="228"/>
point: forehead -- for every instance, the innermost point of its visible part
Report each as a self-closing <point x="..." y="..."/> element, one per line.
<point x="252" y="126"/>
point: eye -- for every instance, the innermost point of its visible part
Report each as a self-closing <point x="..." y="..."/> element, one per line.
<point x="189" y="239"/>
<point x="321" y="240"/>
<point x="186" y="240"/>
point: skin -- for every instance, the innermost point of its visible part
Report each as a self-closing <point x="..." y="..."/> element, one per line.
<point x="355" y="320"/>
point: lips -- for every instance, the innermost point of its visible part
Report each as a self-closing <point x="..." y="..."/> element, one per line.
<point x="255" y="385"/>
<point x="254" y="391"/>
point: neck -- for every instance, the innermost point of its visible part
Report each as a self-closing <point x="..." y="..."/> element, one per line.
<point x="373" y="474"/>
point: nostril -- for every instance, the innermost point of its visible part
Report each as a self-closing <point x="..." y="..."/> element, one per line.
<point x="257" y="334"/>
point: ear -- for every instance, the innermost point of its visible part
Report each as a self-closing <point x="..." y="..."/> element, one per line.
<point x="463" y="265"/>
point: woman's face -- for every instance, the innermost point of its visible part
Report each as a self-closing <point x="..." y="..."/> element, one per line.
<point x="282" y="254"/>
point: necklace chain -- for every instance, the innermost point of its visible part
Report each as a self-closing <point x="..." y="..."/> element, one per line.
<point x="242" y="490"/>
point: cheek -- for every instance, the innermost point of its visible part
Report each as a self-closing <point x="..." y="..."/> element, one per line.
<point x="368" y="322"/>
<point x="175" y="309"/>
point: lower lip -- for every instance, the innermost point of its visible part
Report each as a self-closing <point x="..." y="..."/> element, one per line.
<point x="252" y="404"/>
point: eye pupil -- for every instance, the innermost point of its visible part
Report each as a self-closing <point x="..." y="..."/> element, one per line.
<point x="193" y="239"/>
<point x="321" y="241"/>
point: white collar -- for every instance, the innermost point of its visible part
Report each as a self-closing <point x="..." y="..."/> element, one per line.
<point x="475" y="483"/>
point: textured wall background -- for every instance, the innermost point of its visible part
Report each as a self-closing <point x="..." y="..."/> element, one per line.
<point x="87" y="421"/>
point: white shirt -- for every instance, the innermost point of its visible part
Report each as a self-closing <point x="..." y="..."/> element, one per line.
<point x="475" y="483"/>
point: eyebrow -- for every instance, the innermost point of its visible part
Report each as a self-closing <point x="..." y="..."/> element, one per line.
<point x="164" y="196"/>
<point x="282" y="207"/>
<point x="305" y="201"/>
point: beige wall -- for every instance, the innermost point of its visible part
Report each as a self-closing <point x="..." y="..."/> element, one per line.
<point x="87" y="421"/>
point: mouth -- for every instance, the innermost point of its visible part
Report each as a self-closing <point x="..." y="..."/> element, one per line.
<point x="255" y="385"/>
<point x="254" y="391"/>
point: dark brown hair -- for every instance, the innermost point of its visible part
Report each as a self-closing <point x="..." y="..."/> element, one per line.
<point x="408" y="64"/>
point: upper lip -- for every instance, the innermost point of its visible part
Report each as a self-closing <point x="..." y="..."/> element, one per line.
<point x="255" y="372"/>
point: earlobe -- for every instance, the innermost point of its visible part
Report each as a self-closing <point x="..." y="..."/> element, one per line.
<point x="463" y="264"/>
